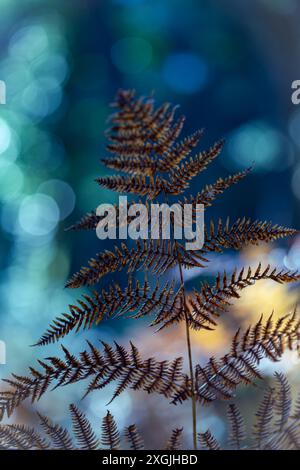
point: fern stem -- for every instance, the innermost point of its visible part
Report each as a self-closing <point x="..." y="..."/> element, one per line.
<point x="189" y="348"/>
<point x="190" y="359"/>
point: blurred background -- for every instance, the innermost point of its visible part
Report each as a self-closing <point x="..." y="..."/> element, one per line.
<point x="230" y="65"/>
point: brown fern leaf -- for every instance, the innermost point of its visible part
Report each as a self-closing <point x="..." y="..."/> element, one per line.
<point x="87" y="222"/>
<point x="174" y="314"/>
<point x="219" y="378"/>
<point x="110" y="433"/>
<point x="149" y="157"/>
<point x="34" y="440"/>
<point x="289" y="438"/>
<point x="207" y="304"/>
<point x="21" y="437"/>
<point x="210" y="192"/>
<point x="114" y="364"/>
<point x="296" y="413"/>
<point x="264" y="416"/>
<point x="9" y="439"/>
<point x="211" y="301"/>
<point x="59" y="436"/>
<point x="136" y="184"/>
<point x="208" y="441"/>
<point x="132" y="116"/>
<point x="136" y="126"/>
<point x="172" y="157"/>
<point x="142" y="165"/>
<point x="132" y="136"/>
<point x="91" y="220"/>
<point x="180" y="177"/>
<point x="115" y="302"/>
<point x="241" y="233"/>
<point x="83" y="431"/>
<point x="237" y="427"/>
<point x="129" y="145"/>
<point x="174" y="442"/>
<point x="155" y="255"/>
<point x="282" y="400"/>
<point x="205" y="197"/>
<point x="134" y="438"/>
<point x="284" y="427"/>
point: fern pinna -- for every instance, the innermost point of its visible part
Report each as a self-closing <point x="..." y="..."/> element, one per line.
<point x="276" y="426"/>
<point x="145" y="145"/>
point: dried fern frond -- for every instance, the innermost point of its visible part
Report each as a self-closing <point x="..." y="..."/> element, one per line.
<point x="264" y="415"/>
<point x="207" y="304"/>
<point x="296" y="413"/>
<point x="60" y="437"/>
<point x="174" y="442"/>
<point x="241" y="233"/>
<point x="208" y="441"/>
<point x="211" y="191"/>
<point x="282" y="400"/>
<point x="219" y="378"/>
<point x="157" y="256"/>
<point x="101" y="369"/>
<point x="82" y="429"/>
<point x="110" y="432"/>
<point x="276" y="426"/>
<point x="146" y="145"/>
<point x="88" y="221"/>
<point x="115" y="302"/>
<point x="211" y="301"/>
<point x="137" y="126"/>
<point x="149" y="157"/>
<point x="206" y="197"/>
<point x="172" y="157"/>
<point x="237" y="427"/>
<point x="178" y="179"/>
<point x="266" y="435"/>
<point x="137" y="184"/>
<point x="91" y="219"/>
<point x="21" y="437"/>
<point x="161" y="255"/>
<point x="141" y="165"/>
<point x="288" y="439"/>
<point x="134" y="438"/>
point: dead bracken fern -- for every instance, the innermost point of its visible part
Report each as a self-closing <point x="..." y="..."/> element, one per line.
<point x="146" y="145"/>
<point x="51" y="436"/>
<point x="276" y="426"/>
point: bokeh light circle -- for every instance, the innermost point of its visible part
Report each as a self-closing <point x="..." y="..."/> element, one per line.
<point x="185" y="72"/>
<point x="62" y="193"/>
<point x="38" y="214"/>
<point x="260" y="144"/>
<point x="5" y="135"/>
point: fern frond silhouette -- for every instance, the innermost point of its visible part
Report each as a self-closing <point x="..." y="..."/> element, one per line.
<point x="146" y="145"/>
<point x="266" y="434"/>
